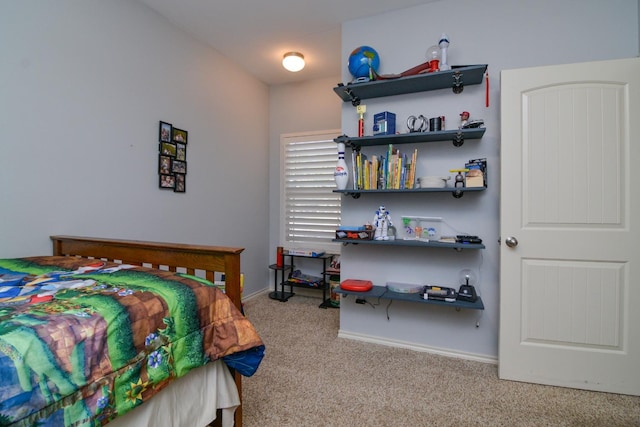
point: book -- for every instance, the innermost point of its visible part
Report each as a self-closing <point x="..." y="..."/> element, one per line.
<point x="392" y="170"/>
<point x="305" y="252"/>
<point x="477" y="174"/>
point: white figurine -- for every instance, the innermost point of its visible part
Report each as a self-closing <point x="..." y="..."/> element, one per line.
<point x="443" y="44"/>
<point x="382" y="222"/>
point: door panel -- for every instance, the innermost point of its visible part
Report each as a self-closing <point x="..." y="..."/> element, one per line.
<point x="568" y="298"/>
<point x="580" y="306"/>
<point x="575" y="156"/>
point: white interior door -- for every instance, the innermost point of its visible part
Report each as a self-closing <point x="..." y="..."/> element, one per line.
<point x="570" y="211"/>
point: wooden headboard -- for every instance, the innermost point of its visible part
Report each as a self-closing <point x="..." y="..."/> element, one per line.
<point x="210" y="259"/>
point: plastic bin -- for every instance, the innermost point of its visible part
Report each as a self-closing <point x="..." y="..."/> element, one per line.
<point x="431" y="228"/>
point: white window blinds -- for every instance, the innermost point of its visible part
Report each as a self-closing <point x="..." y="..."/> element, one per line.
<point x="310" y="211"/>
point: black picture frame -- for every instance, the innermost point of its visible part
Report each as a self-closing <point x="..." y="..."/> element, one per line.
<point x="165" y="132"/>
<point x="167" y="182"/>
<point x="179" y="135"/>
<point x="164" y="164"/>
<point x="168" y="149"/>
<point x="172" y="158"/>
<point x="180" y="184"/>
<point x="181" y="152"/>
<point x="178" y="166"/>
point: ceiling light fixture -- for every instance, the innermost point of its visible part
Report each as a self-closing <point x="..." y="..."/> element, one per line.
<point x="293" y="61"/>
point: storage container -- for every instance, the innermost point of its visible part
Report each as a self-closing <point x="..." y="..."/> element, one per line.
<point x="431" y="228"/>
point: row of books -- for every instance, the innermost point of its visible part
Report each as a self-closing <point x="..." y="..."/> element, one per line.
<point x="394" y="170"/>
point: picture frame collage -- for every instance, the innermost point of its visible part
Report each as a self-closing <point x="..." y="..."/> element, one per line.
<point x="172" y="158"/>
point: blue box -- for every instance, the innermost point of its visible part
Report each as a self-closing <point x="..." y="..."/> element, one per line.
<point x="384" y="123"/>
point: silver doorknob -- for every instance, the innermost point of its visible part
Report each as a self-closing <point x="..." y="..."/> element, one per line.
<point x="512" y="242"/>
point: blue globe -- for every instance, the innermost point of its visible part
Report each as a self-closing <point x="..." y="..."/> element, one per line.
<point x="361" y="60"/>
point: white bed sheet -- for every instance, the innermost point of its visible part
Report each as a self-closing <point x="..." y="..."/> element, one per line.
<point x="189" y="401"/>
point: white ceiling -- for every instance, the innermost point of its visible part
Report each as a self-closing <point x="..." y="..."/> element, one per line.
<point x="257" y="33"/>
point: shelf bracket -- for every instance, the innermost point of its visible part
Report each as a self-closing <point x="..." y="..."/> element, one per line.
<point x="458" y="139"/>
<point x="344" y="139"/>
<point x="458" y="84"/>
<point x="355" y="101"/>
<point x="354" y="195"/>
<point x="457" y="193"/>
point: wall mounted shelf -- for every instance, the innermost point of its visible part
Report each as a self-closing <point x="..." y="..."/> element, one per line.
<point x="456" y="78"/>
<point x="384" y="293"/>
<point x="458" y="137"/>
<point x="413" y="243"/>
<point x="457" y="192"/>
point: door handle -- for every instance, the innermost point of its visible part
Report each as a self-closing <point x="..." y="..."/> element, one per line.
<point x="512" y="242"/>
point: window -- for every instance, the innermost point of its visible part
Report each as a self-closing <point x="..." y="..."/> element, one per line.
<point x="310" y="210"/>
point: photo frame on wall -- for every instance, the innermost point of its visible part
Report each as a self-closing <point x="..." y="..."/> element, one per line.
<point x="166" y="132"/>
<point x="168" y="149"/>
<point x="180" y="183"/>
<point x="164" y="165"/>
<point x="181" y="152"/>
<point x="178" y="166"/>
<point x="179" y="135"/>
<point x="172" y="158"/>
<point x="167" y="181"/>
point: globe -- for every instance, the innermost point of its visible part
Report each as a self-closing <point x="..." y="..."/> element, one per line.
<point x="361" y="60"/>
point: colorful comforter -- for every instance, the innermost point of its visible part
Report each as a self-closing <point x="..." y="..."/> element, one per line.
<point x="82" y="341"/>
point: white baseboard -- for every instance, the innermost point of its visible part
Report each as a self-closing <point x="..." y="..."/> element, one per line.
<point x="417" y="347"/>
<point x="247" y="297"/>
<point x="303" y="292"/>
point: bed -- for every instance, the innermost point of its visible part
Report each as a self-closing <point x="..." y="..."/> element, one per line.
<point x="123" y="332"/>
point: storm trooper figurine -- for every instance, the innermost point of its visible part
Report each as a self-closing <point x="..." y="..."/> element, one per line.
<point x="382" y="222"/>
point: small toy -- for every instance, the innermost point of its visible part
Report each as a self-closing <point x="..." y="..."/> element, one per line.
<point x="465" y="123"/>
<point x="341" y="172"/>
<point x="443" y="44"/>
<point x="417" y="124"/>
<point x="363" y="63"/>
<point x="382" y="222"/>
<point x="361" y="109"/>
<point x="459" y="177"/>
<point x="464" y="119"/>
<point x="433" y="56"/>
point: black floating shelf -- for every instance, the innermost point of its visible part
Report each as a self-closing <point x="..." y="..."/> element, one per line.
<point x="384" y="293"/>
<point x="412" y="137"/>
<point x="415" y="190"/>
<point x="457" y="76"/>
<point x="413" y="243"/>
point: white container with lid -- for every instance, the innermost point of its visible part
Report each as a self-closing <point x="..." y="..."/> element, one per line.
<point x="433" y="181"/>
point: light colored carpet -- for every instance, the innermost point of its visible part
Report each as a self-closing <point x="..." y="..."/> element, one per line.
<point x="310" y="377"/>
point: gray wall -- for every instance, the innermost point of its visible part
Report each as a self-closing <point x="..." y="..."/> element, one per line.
<point x="503" y="34"/>
<point x="83" y="85"/>
<point x="296" y="107"/>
